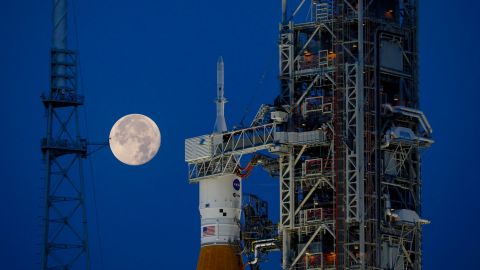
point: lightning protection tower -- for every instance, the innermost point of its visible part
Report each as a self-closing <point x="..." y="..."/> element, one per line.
<point x="65" y="242"/>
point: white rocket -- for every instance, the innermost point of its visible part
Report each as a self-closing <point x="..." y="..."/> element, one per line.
<point x="220" y="206"/>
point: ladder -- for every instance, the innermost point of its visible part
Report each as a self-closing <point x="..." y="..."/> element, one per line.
<point x="323" y="10"/>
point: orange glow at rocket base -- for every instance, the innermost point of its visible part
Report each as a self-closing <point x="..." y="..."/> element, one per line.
<point x="219" y="257"/>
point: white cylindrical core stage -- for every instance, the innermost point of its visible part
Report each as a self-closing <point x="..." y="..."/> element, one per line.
<point x="220" y="209"/>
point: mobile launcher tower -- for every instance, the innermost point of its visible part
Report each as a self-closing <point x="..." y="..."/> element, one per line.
<point x="344" y="137"/>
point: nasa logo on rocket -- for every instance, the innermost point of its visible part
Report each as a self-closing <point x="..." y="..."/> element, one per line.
<point x="236" y="184"/>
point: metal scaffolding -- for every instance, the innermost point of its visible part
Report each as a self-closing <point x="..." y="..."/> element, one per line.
<point x="350" y="195"/>
<point x="65" y="243"/>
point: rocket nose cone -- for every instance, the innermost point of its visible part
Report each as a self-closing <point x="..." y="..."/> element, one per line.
<point x="220" y="60"/>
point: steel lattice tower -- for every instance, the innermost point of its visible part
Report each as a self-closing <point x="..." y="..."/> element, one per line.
<point x="344" y="135"/>
<point x="350" y="68"/>
<point x="65" y="243"/>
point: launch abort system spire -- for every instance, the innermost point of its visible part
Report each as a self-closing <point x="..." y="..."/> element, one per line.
<point x="220" y="125"/>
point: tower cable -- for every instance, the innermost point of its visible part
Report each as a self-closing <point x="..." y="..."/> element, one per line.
<point x="258" y="89"/>
<point x="80" y="74"/>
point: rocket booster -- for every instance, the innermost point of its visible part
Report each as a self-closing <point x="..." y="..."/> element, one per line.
<point x="220" y="125"/>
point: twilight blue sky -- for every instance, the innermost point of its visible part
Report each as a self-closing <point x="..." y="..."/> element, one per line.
<point x="158" y="58"/>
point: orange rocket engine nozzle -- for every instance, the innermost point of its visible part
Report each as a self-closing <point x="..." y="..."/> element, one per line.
<point x="219" y="257"/>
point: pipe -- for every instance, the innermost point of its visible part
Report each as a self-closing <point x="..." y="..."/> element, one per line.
<point x="421" y="116"/>
<point x="59" y="40"/>
<point x="386" y="143"/>
<point x="284" y="12"/>
<point x="360" y="136"/>
<point x="422" y="221"/>
<point x="412" y="113"/>
<point x="261" y="244"/>
<point x="388" y="207"/>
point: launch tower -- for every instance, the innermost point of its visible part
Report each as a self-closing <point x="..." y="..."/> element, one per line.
<point x="65" y="243"/>
<point x="344" y="136"/>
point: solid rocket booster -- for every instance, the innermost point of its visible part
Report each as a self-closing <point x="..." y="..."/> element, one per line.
<point x="220" y="125"/>
<point x="220" y="207"/>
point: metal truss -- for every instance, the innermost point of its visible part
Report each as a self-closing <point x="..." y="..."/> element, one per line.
<point x="296" y="216"/>
<point x="211" y="167"/>
<point x="228" y="148"/>
<point x="351" y="26"/>
<point x="286" y="63"/>
<point x="65" y="244"/>
<point x="333" y="166"/>
<point x="407" y="242"/>
<point x="354" y="160"/>
<point x="402" y="242"/>
<point x="397" y="160"/>
<point x="244" y="141"/>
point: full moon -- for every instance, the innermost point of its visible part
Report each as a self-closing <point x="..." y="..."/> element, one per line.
<point x="134" y="139"/>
